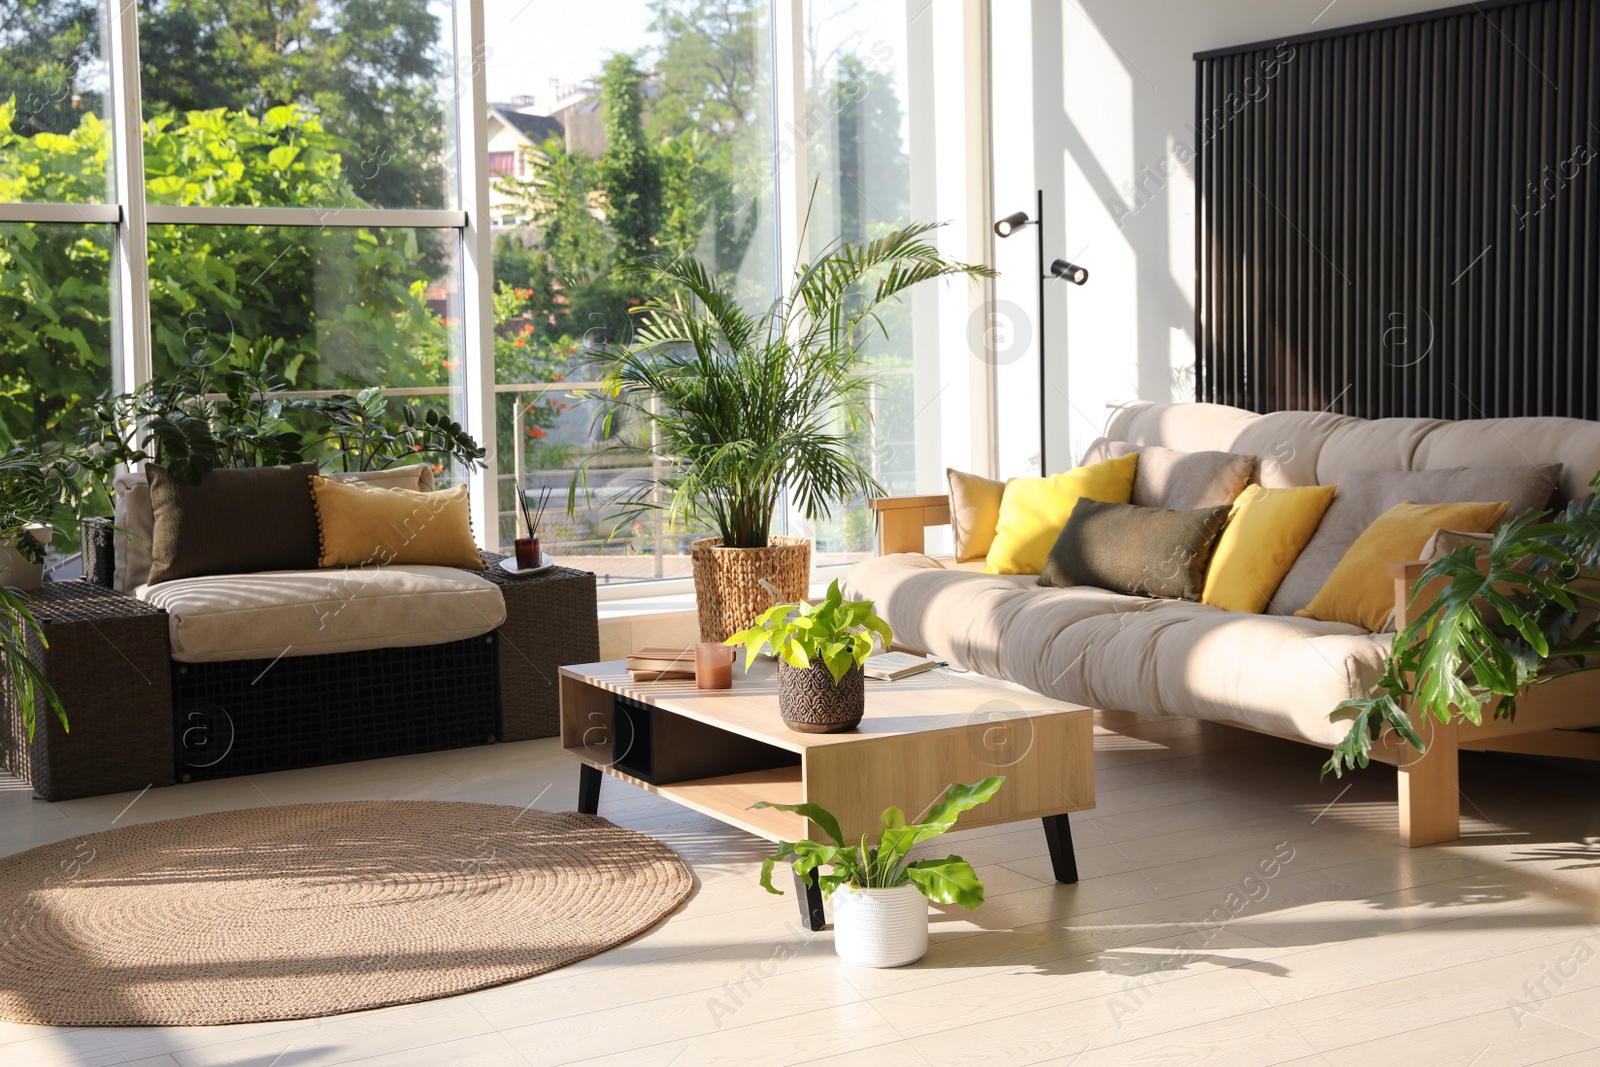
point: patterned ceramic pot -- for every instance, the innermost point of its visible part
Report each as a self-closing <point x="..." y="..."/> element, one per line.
<point x="810" y="701"/>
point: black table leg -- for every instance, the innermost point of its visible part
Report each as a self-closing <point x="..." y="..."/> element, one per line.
<point x="811" y="916"/>
<point x="1058" y="836"/>
<point x="588" y="789"/>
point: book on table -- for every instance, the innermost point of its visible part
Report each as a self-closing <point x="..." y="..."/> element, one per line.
<point x="661" y="664"/>
<point x="892" y="666"/>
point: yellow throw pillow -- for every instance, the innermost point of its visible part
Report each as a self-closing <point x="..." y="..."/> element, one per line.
<point x="974" y="513"/>
<point x="1266" y="530"/>
<point x="364" y="524"/>
<point x="1033" y="511"/>
<point x="1360" y="591"/>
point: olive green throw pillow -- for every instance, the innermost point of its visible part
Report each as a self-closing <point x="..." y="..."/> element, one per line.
<point x="1151" y="552"/>
<point x="236" y="521"/>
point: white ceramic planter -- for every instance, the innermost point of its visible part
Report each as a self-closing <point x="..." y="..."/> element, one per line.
<point x="16" y="570"/>
<point x="880" y="927"/>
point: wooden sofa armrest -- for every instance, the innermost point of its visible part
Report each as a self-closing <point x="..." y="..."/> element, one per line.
<point x="902" y="520"/>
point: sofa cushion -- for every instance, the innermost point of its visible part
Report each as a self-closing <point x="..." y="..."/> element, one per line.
<point x="1572" y="443"/>
<point x="1287" y="444"/>
<point x="1179" y="481"/>
<point x="1360" y="590"/>
<point x="974" y="512"/>
<point x="362" y="525"/>
<point x="1033" y="511"/>
<point x="1267" y="529"/>
<point x="1364" y="496"/>
<point x="1108" y="650"/>
<point x="1152" y="552"/>
<point x="134" y="518"/>
<point x="312" y="612"/>
<point x="234" y="521"/>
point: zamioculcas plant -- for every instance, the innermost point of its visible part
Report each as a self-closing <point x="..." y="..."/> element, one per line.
<point x="887" y="863"/>
<point x="1520" y="619"/>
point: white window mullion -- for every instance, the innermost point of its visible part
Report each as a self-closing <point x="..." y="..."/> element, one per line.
<point x="130" y="261"/>
<point x="477" y="267"/>
<point x="318" y="217"/>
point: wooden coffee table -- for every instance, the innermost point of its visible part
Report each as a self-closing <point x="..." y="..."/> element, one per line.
<point x="719" y="751"/>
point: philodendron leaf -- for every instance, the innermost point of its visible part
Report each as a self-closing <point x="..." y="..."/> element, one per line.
<point x="819" y="815"/>
<point x="960" y="798"/>
<point x="948" y="881"/>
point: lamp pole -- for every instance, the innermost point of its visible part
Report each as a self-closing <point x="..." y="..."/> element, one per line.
<point x="1038" y="227"/>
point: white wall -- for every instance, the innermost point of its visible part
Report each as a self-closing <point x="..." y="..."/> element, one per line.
<point x="1094" y="104"/>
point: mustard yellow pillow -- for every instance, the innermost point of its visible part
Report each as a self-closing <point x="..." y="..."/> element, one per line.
<point x="1033" y="511"/>
<point x="974" y="513"/>
<point x="360" y="524"/>
<point x="1266" y="530"/>
<point x="1360" y="591"/>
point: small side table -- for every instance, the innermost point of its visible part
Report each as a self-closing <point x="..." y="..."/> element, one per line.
<point x="108" y="660"/>
<point x="551" y="621"/>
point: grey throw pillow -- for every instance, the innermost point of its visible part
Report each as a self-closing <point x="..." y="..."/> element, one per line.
<point x="1179" y="481"/>
<point x="235" y="521"/>
<point x="1364" y="496"/>
<point x="1154" y="552"/>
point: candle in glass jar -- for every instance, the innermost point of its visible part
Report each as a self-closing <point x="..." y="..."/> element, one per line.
<point x="713" y="666"/>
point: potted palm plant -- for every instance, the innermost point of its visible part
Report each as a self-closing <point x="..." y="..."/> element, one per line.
<point x="746" y="407"/>
<point x="879" y="893"/>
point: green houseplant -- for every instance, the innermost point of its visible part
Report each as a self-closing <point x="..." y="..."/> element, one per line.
<point x="746" y="407"/>
<point x="820" y="649"/>
<point x="878" y="891"/>
<point x="33" y="488"/>
<point x="1516" y="619"/>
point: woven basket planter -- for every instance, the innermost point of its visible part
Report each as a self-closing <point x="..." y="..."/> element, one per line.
<point x="727" y="581"/>
<point x="810" y="701"/>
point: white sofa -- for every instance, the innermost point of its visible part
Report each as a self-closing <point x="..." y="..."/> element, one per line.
<point x="1274" y="673"/>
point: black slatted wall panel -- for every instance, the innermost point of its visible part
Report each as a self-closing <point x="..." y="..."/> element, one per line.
<point x="1404" y="218"/>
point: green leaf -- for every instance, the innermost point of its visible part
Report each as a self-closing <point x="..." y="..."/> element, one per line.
<point x="282" y="156"/>
<point x="821" y="816"/>
<point x="948" y="881"/>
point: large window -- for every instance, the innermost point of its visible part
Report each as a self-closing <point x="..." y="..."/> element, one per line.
<point x="438" y="197"/>
<point x="858" y="163"/>
<point x="55" y="237"/>
<point x="640" y="128"/>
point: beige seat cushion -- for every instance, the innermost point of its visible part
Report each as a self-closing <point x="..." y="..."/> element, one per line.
<point x="134" y="516"/>
<point x="310" y="613"/>
<point x="1107" y="650"/>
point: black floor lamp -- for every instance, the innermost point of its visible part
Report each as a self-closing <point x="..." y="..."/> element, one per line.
<point x="1059" y="268"/>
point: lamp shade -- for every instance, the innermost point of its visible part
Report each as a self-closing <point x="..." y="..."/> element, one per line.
<point x="1011" y="223"/>
<point x="1070" y="272"/>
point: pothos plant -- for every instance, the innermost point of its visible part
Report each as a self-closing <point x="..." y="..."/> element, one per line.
<point x="834" y="631"/>
<point x="1497" y="628"/>
<point x="886" y="864"/>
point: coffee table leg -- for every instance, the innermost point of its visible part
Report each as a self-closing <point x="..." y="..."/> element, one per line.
<point x="1058" y="836"/>
<point x="588" y="789"/>
<point x="811" y="916"/>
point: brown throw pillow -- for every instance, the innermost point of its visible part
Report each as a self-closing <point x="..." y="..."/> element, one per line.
<point x="1154" y="552"/>
<point x="1179" y="481"/>
<point x="236" y="521"/>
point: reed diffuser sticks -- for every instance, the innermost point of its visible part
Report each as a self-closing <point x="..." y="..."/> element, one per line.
<point x="533" y="515"/>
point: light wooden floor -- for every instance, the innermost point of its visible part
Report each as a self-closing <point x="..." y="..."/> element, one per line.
<point x="1174" y="949"/>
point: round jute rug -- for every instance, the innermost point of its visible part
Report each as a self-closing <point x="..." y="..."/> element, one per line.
<point x="316" y="909"/>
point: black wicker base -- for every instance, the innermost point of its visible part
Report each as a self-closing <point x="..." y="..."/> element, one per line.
<point x="252" y="716"/>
